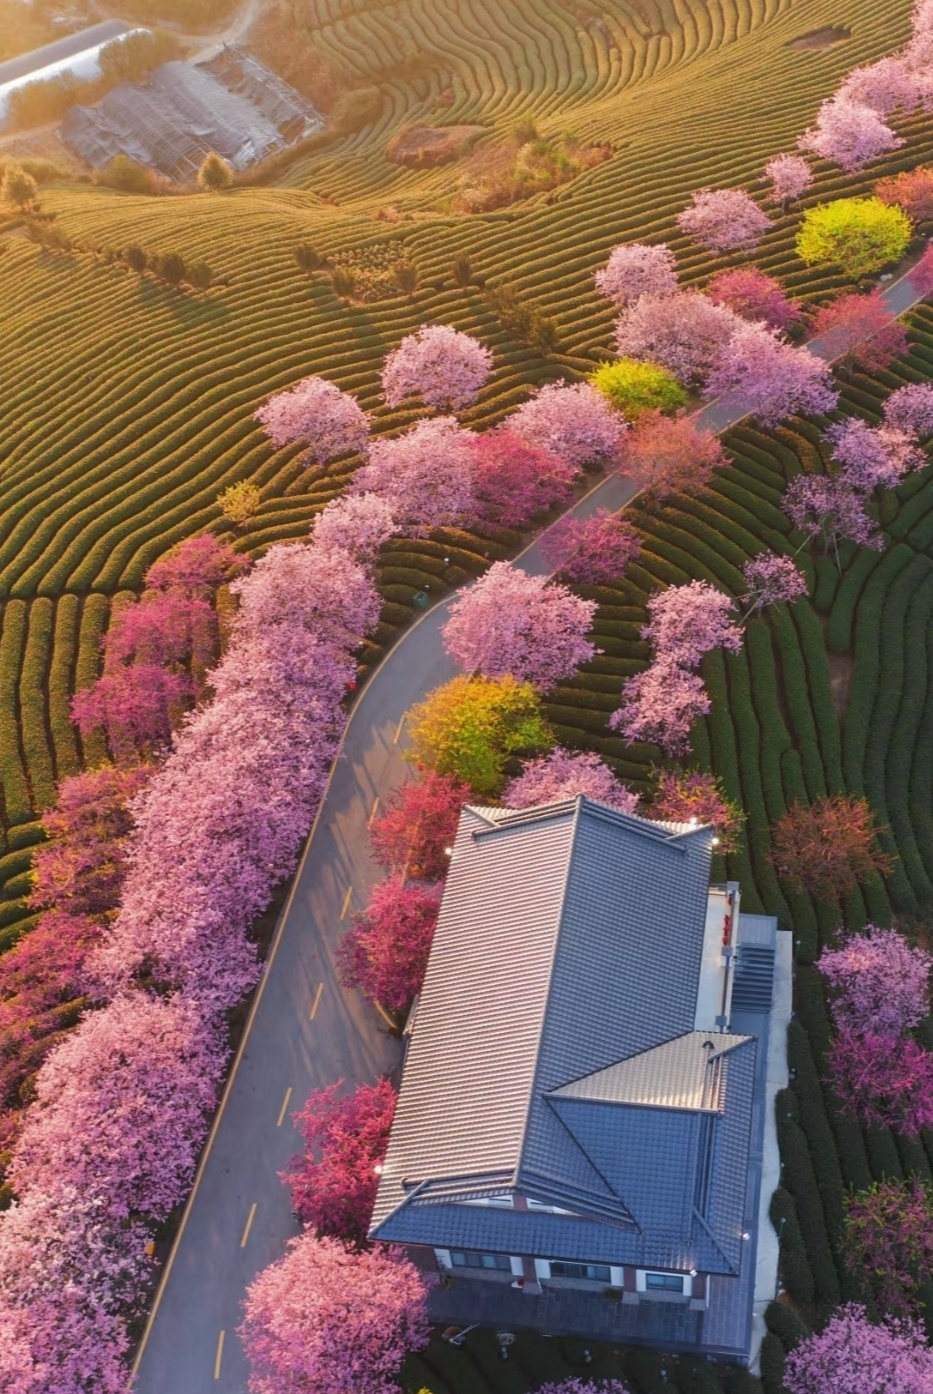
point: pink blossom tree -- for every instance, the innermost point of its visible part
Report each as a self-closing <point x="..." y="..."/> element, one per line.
<point x="196" y="567"/>
<point x="418" y="825"/>
<point x="882" y="1080"/>
<point x="853" y="1355"/>
<point x="133" y="705"/>
<point x="514" y="480"/>
<point x="889" y="1241"/>
<point x="634" y="269"/>
<point x="594" y="550"/>
<point x="921" y="273"/>
<point x="688" y="621"/>
<point x="385" y="954"/>
<point x="724" y="220"/>
<point x="425" y="476"/>
<point x="759" y="373"/>
<point x="692" y="796"/>
<point x="878" y="982"/>
<point x="563" y="774"/>
<point x="886" y="86"/>
<point x="686" y="333"/>
<point x="163" y="627"/>
<point x="334" y="1181"/>
<point x="849" y="134"/>
<point x="326" y="1318"/>
<point x="770" y="579"/>
<point x="831" y="510"/>
<point x="872" y="457"/>
<point x="858" y="331"/>
<point x="754" y="296"/>
<point x="660" y="706"/>
<point x="671" y="455"/>
<point x="510" y="622"/>
<point x="790" y="176"/>
<point x="135" y="1082"/>
<point x="317" y="414"/>
<point x="910" y="410"/>
<point x="576" y="1385"/>
<point x="354" y="523"/>
<point x="439" y="364"/>
<point x="572" y="421"/>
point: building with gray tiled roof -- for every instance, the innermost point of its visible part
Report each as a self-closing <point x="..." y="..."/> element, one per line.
<point x="582" y="1102"/>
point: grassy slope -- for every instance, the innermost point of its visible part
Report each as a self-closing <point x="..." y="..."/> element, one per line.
<point x="126" y="408"/>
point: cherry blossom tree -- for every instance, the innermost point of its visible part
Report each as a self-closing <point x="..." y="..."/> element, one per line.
<point x="326" y="1318"/>
<point x="685" y="332"/>
<point x="759" y="373"/>
<point x="508" y="622"/>
<point x="882" y="1080"/>
<point x="424" y="476"/>
<point x="316" y="413"/>
<point x="858" y="331"/>
<point x="634" y="269"/>
<point x="594" y="550"/>
<point x="921" y="274"/>
<point x="827" y="848"/>
<point x="573" y="421"/>
<point x="563" y="774"/>
<point x="790" y="176"/>
<point x="671" y="455"/>
<point x="576" y="1385"/>
<point x="831" y="510"/>
<point x="660" y="706"/>
<point x="871" y="457"/>
<point x="686" y="796"/>
<point x="163" y="627"/>
<point x="849" y="134"/>
<point x="385" y="954"/>
<point x="910" y="409"/>
<point x="853" y="1355"/>
<point x="514" y="480"/>
<point x="688" y="621"/>
<point x="889" y="1241"/>
<point x="724" y="220"/>
<point x="133" y="705"/>
<point x="121" y="1104"/>
<point x="770" y="579"/>
<point x="354" y="523"/>
<point x="878" y="982"/>
<point x="196" y="567"/>
<point x="334" y="1181"/>
<point x="754" y="296"/>
<point x="911" y="190"/>
<point x="418" y="825"/>
<point x="885" y="86"/>
<point x="439" y="364"/>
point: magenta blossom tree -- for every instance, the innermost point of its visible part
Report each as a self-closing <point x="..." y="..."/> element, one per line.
<point x="849" y="134"/>
<point x="770" y="579"/>
<point x="163" y="627"/>
<point x="686" y="333"/>
<point x="671" y="455"/>
<point x="921" y="274"/>
<point x="196" y="567"/>
<point x="133" y="705"/>
<point x="576" y="1385"/>
<point x="858" y="331"/>
<point x="878" y="982"/>
<point x="688" y="621"/>
<point x="572" y="421"/>
<point x="634" y="269"/>
<point x="563" y="774"/>
<point x="724" y="220"/>
<point x="660" y="706"/>
<point x="508" y="622"/>
<point x="424" y="476"/>
<point x="759" y="373"/>
<point x="334" y="1181"/>
<point x="754" y="296"/>
<point x="326" y="1318"/>
<point x="872" y="457"/>
<point x="790" y="176"/>
<point x="831" y="510"/>
<point x="889" y="1241"/>
<point x="882" y="1080"/>
<point x="354" y="523"/>
<point x="594" y="550"/>
<point x="853" y="1355"/>
<point x="514" y="480"/>
<point x="693" y="796"/>
<point x="317" y="414"/>
<point x="418" y="825"/>
<point x="910" y="409"/>
<point x="439" y="364"/>
<point x="385" y="954"/>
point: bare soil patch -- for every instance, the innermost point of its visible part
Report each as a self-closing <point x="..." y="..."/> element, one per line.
<point x="420" y="146"/>
<point x="826" y="37"/>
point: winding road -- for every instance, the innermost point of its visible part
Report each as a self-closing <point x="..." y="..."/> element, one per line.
<point x="304" y="1031"/>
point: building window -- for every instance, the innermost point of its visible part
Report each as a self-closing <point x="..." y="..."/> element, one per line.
<point x="595" y="1272"/>
<point x="465" y="1258"/>
<point x="664" y="1282"/>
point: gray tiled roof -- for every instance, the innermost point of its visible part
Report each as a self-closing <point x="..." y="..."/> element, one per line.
<point x="568" y="942"/>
